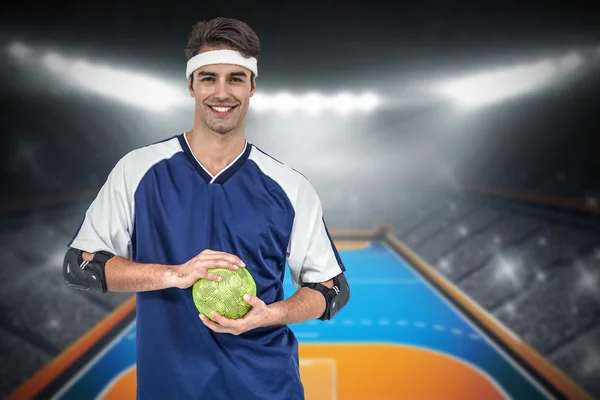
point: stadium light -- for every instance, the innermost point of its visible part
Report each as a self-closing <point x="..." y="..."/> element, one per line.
<point x="589" y="278"/>
<point x="19" y="50"/>
<point x="154" y="93"/>
<point x="489" y="87"/>
<point x="313" y="103"/>
<point x="507" y="269"/>
<point x="503" y="83"/>
<point x="130" y="87"/>
<point x="570" y="62"/>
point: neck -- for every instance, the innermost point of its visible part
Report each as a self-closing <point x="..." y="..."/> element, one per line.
<point x="215" y="151"/>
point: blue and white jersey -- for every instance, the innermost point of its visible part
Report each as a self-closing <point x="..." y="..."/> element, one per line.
<point x="159" y="205"/>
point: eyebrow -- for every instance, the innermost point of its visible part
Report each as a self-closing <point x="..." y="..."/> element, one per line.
<point x="236" y="73"/>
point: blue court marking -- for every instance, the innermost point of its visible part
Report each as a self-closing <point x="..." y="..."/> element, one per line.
<point x="390" y="304"/>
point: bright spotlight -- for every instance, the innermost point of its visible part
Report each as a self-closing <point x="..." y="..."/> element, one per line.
<point x="128" y="86"/>
<point x="316" y="103"/>
<point x="489" y="87"/>
<point x="503" y="83"/>
<point x="507" y="270"/>
<point x="19" y="50"/>
<point x="313" y="103"/>
<point x="369" y="101"/>
<point x="344" y="103"/>
<point x="571" y="61"/>
<point x="54" y="62"/>
<point x="589" y="281"/>
<point x="286" y="103"/>
<point x="154" y="93"/>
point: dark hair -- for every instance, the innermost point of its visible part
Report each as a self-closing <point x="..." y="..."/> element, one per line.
<point x="223" y="31"/>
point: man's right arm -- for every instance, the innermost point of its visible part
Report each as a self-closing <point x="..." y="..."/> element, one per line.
<point x="123" y="275"/>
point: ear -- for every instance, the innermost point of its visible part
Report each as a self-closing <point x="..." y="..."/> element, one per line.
<point x="190" y="86"/>
<point x="252" y="87"/>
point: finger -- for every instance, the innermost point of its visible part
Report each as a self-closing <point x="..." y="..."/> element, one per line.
<point x="224" y="256"/>
<point x="215" y="263"/>
<point x="209" y="251"/>
<point x="212" y="325"/>
<point x="253" y="300"/>
<point x="222" y="321"/>
<point x="210" y="277"/>
<point x="232" y="259"/>
<point x="224" y="263"/>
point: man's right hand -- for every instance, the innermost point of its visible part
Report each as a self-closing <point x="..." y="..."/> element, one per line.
<point x="185" y="275"/>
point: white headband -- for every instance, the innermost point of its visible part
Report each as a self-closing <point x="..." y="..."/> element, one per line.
<point x="220" y="57"/>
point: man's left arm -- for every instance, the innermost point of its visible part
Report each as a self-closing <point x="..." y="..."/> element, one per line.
<point x="316" y="267"/>
<point x="305" y="304"/>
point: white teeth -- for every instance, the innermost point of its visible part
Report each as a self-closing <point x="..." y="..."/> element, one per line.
<point x="221" y="109"/>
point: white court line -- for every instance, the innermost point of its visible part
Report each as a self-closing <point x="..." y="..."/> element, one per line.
<point x="113" y="382"/>
<point x="93" y="362"/>
<point x="417" y="324"/>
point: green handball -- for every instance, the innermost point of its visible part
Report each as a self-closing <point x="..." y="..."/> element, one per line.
<point x="227" y="296"/>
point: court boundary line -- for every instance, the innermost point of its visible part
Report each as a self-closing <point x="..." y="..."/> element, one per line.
<point x="92" y="363"/>
<point x="113" y="382"/>
<point x="533" y="359"/>
<point x="384" y="232"/>
<point x="485" y="336"/>
<point x="52" y="370"/>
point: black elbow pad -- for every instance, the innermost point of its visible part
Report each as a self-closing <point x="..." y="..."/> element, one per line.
<point x="85" y="275"/>
<point x="336" y="298"/>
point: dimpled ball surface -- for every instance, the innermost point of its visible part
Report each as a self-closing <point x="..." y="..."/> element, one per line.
<point x="224" y="297"/>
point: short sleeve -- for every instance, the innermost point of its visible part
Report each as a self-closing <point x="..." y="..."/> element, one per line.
<point x="312" y="255"/>
<point x="107" y="224"/>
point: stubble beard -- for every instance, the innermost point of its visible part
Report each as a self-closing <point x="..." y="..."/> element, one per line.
<point x="221" y="128"/>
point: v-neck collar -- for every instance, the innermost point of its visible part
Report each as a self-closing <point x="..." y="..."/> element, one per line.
<point x="225" y="173"/>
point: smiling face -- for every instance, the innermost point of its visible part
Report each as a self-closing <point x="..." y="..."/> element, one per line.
<point x="222" y="95"/>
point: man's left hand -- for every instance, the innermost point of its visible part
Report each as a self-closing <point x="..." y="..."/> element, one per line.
<point x="259" y="315"/>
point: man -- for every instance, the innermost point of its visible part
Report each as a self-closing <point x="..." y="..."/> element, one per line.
<point x="207" y="198"/>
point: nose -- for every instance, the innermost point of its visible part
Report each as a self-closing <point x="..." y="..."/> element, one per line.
<point x="222" y="90"/>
